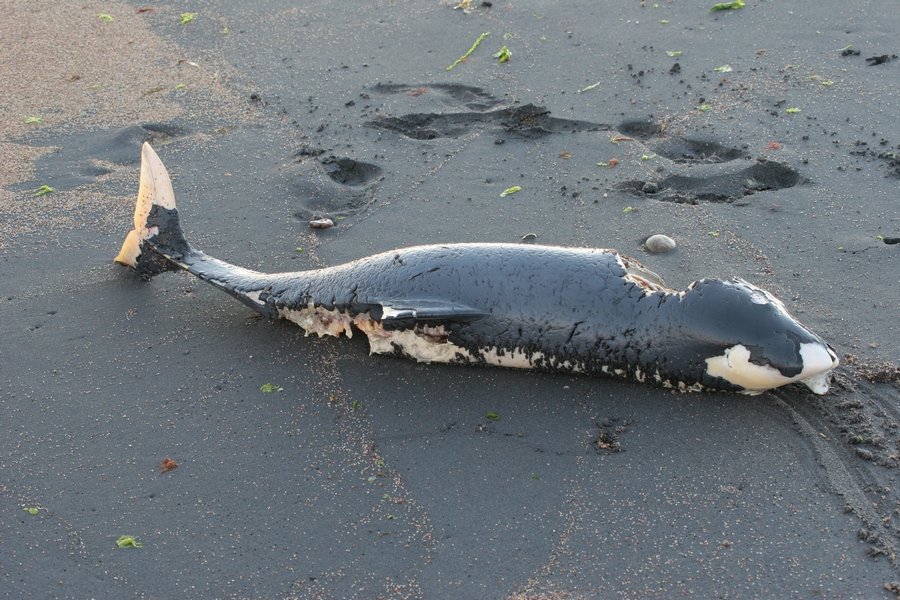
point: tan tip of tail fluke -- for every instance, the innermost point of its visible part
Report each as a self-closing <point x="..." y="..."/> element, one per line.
<point x="156" y="188"/>
<point x="130" y="251"/>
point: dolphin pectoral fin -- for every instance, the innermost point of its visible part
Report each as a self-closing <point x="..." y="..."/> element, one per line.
<point x="427" y="310"/>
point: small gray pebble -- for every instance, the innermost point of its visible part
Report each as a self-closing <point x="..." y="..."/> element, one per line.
<point x="865" y="454"/>
<point x="321" y="223"/>
<point x="650" y="187"/>
<point x="659" y="244"/>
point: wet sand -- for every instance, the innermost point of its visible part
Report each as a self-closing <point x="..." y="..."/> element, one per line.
<point x="368" y="476"/>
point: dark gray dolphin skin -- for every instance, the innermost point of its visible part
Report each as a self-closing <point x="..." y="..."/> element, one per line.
<point x="572" y="310"/>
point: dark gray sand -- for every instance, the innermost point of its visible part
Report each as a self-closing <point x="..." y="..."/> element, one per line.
<point x="372" y="477"/>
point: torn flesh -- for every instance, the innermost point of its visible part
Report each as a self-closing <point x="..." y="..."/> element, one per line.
<point x="318" y="320"/>
<point x="424" y="343"/>
<point x="641" y="276"/>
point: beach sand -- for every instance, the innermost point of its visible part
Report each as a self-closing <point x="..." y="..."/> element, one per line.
<point x="368" y="476"/>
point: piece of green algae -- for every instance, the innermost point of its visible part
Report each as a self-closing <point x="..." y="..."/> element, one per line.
<point x="503" y="56"/>
<point x="471" y="50"/>
<point x="127" y="541"/>
<point x="727" y="6"/>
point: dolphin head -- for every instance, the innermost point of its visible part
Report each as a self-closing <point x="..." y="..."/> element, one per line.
<point x="747" y="337"/>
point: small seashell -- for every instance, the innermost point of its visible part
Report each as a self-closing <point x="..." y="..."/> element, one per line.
<point x="659" y="244"/>
<point x="321" y="223"/>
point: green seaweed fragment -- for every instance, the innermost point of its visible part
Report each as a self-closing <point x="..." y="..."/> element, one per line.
<point x="187" y="18"/>
<point x="268" y="387"/>
<point x="724" y="69"/>
<point x="673" y="52"/>
<point x="628" y="209"/>
<point x="792" y="111"/>
<point x="492" y="416"/>
<point x="33" y="120"/>
<point x="727" y="6"/>
<point x="105" y="17"/>
<point x="127" y="541"/>
<point x="31" y="510"/>
<point x="510" y="190"/>
<point x="590" y="87"/>
<point x="704" y="107"/>
<point x="503" y="56"/>
<point x="44" y="189"/>
<point x="471" y="50"/>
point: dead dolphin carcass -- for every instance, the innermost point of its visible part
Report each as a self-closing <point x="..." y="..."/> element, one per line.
<point x="573" y="310"/>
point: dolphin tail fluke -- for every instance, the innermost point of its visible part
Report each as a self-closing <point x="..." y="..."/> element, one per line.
<point x="156" y="244"/>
